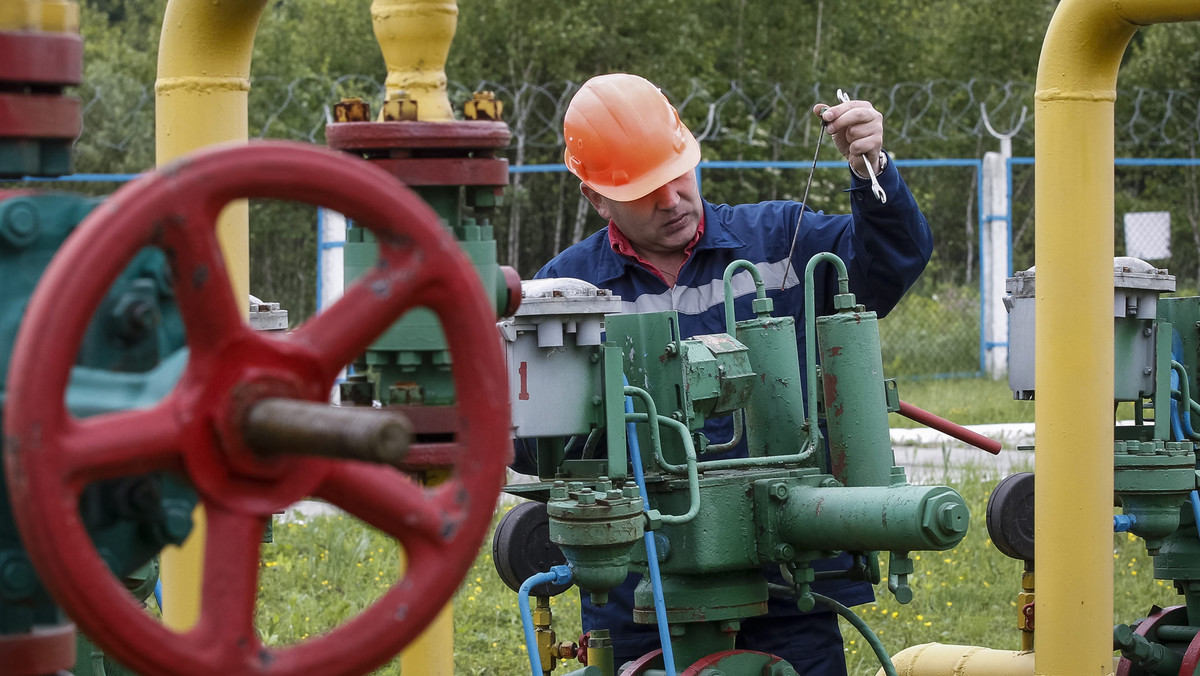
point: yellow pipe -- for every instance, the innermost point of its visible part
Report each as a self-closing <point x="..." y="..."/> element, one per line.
<point x="60" y="16"/>
<point x="937" y="659"/>
<point x="51" y="16"/>
<point x="1076" y="91"/>
<point x="432" y="653"/>
<point x="415" y="37"/>
<point x="20" y="15"/>
<point x="201" y="100"/>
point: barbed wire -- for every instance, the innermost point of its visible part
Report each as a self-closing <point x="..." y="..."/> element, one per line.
<point x="119" y="113"/>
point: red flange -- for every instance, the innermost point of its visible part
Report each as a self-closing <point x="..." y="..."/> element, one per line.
<point x="715" y="661"/>
<point x="50" y="455"/>
<point x="419" y="171"/>
<point x="367" y="136"/>
<point x="43" y="116"/>
<point x="1191" y="658"/>
<point x="1172" y="615"/>
<point x="654" y="660"/>
<point x="54" y="59"/>
<point x="46" y="651"/>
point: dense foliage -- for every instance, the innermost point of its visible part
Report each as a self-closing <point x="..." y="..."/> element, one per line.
<point x="796" y="52"/>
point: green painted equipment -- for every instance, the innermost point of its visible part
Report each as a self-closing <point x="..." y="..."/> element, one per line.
<point x="1157" y="358"/>
<point x="716" y="522"/>
<point x="130" y="357"/>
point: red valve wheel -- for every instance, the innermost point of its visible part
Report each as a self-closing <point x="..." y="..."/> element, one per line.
<point x="1148" y="627"/>
<point x="51" y="456"/>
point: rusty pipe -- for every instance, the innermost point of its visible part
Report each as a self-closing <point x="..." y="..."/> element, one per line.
<point x="280" y="427"/>
<point x="949" y="428"/>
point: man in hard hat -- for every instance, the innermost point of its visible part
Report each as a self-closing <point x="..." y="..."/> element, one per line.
<point x="666" y="248"/>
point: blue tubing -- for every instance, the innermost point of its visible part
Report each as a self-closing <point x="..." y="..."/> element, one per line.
<point x="158" y="594"/>
<point x="557" y="575"/>
<point x="660" y="604"/>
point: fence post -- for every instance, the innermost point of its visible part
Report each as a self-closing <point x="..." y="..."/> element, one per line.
<point x="995" y="263"/>
<point x="995" y="243"/>
<point x="331" y="247"/>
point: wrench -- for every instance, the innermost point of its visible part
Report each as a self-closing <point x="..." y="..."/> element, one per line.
<point x="875" y="188"/>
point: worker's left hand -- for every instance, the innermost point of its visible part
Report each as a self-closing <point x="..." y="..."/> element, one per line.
<point x="857" y="129"/>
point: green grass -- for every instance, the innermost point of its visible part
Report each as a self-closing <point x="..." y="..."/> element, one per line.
<point x="968" y="595"/>
<point x="320" y="572"/>
<point x="966" y="401"/>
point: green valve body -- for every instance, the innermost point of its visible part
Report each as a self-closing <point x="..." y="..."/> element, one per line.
<point x="860" y="450"/>
<point x="596" y="530"/>
<point x="718" y="521"/>
<point x="130" y="357"/>
<point x="897" y="518"/>
<point x="409" y="363"/>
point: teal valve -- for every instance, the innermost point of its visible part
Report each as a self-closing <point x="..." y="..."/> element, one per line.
<point x="900" y="566"/>
<point x="802" y="579"/>
<point x="1153" y="658"/>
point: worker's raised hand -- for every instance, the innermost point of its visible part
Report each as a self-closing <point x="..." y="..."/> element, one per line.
<point x="857" y="130"/>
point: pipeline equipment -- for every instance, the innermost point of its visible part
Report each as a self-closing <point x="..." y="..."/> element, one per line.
<point x="716" y="522"/>
<point x="1154" y="460"/>
<point x="196" y="428"/>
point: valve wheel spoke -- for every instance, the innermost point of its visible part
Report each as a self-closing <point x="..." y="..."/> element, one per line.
<point x="346" y="329"/>
<point x="120" y="444"/>
<point x="390" y="501"/>
<point x="202" y="285"/>
<point x="230" y="580"/>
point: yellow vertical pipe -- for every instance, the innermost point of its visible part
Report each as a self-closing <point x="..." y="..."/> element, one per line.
<point x="20" y="15"/>
<point x="432" y="653"/>
<point x="415" y="36"/>
<point x="201" y="100"/>
<point x="1076" y="91"/>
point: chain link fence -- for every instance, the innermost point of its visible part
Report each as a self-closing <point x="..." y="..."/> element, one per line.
<point x="1156" y="212"/>
<point x="936" y="329"/>
<point x="743" y="113"/>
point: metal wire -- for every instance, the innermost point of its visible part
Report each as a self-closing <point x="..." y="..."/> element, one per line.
<point x="120" y="113"/>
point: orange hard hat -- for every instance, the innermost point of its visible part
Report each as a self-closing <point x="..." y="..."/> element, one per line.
<point x="625" y="139"/>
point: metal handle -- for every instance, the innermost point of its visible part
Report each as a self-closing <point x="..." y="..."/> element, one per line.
<point x="292" y="427"/>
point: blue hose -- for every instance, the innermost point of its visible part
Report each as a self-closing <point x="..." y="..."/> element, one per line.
<point x="660" y="604"/>
<point x="158" y="594"/>
<point x="1194" y="498"/>
<point x="1181" y="421"/>
<point x="557" y="575"/>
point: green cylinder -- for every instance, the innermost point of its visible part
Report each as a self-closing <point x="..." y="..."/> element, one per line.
<point x="775" y="410"/>
<point x="897" y="518"/>
<point x="860" y="447"/>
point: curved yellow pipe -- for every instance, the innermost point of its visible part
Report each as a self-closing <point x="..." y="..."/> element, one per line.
<point x="937" y="659"/>
<point x="1076" y="91"/>
<point x="201" y="100"/>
